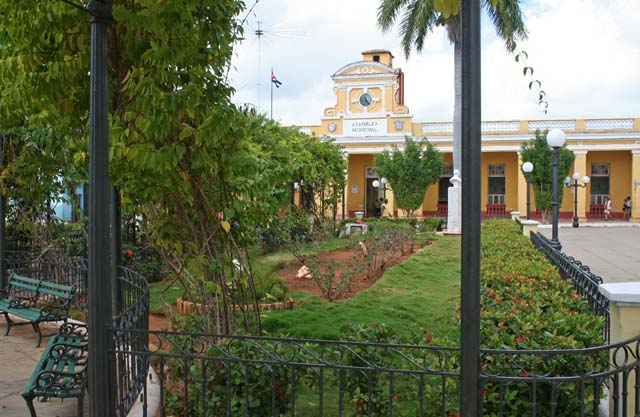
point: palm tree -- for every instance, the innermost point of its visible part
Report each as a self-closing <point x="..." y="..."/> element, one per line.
<point x="419" y="17"/>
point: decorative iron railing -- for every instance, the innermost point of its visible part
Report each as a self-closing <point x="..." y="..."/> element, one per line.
<point x="51" y="267"/>
<point x="584" y="281"/>
<point x="132" y="314"/>
<point x="202" y="374"/>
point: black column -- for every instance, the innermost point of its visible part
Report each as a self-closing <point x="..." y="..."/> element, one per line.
<point x="555" y="243"/>
<point x="101" y="376"/>
<point x="528" y="196"/>
<point x="471" y="141"/>
<point x="116" y="247"/>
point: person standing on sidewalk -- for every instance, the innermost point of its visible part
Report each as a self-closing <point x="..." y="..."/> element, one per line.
<point x="607" y="208"/>
<point x="627" y="208"/>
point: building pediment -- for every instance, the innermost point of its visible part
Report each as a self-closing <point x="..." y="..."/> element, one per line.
<point x="362" y="69"/>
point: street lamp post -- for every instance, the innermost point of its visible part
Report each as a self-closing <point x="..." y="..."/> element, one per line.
<point x="527" y="168"/>
<point x="295" y="186"/>
<point x="555" y="139"/>
<point x="575" y="186"/>
<point x="383" y="182"/>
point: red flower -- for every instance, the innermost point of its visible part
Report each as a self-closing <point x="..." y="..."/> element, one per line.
<point x="524" y="373"/>
<point x="521" y="339"/>
<point x="532" y="280"/>
<point x="491" y="292"/>
<point x="428" y="336"/>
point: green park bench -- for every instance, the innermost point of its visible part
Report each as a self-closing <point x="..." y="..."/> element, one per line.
<point x="36" y="301"/>
<point x="62" y="369"/>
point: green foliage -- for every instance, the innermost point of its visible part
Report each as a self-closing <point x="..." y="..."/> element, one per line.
<point x="246" y="387"/>
<point x="432" y="224"/>
<point x="144" y="260"/>
<point x="410" y="171"/>
<point x="538" y="152"/>
<point x="202" y="172"/>
<point x="526" y="305"/>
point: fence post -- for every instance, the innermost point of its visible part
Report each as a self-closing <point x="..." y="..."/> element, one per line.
<point x="624" y="306"/>
<point x="529" y="226"/>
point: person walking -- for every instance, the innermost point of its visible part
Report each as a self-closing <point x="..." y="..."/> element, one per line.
<point x="607" y="208"/>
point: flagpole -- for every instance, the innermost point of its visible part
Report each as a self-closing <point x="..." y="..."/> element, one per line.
<point x="271" y="93"/>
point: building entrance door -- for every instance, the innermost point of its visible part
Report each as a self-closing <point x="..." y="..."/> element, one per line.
<point x="372" y="195"/>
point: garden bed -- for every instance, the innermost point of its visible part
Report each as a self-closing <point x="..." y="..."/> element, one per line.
<point x="346" y="258"/>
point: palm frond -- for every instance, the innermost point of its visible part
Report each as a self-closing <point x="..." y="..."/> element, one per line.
<point x="508" y="20"/>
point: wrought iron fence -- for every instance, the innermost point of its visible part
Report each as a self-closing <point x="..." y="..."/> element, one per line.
<point x="215" y="375"/>
<point x="585" y="282"/>
<point x="132" y="315"/>
<point x="51" y="267"/>
<point x="598" y="381"/>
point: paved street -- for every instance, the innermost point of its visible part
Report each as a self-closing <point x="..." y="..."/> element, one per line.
<point x="611" y="250"/>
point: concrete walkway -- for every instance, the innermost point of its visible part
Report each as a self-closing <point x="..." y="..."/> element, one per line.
<point x="610" y="249"/>
<point x="19" y="358"/>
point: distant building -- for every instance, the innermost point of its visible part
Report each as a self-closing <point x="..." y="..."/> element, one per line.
<point x="370" y="115"/>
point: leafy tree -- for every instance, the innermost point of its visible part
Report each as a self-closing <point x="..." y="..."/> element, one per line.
<point x="203" y="172"/>
<point x="419" y="17"/>
<point x="410" y="171"/>
<point x="538" y="152"/>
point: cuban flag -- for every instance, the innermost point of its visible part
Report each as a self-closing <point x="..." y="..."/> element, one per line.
<point x="275" y="80"/>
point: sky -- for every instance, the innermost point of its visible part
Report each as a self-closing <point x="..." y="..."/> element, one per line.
<point x="585" y="53"/>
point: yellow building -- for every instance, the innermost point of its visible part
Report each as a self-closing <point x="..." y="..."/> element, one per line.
<point x="370" y="115"/>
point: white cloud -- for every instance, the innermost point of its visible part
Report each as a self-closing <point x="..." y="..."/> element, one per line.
<point x="586" y="54"/>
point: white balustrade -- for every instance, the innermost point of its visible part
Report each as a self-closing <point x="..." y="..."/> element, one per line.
<point x="600" y="124"/>
<point x="552" y="124"/>
<point x="500" y="126"/>
<point x="437" y="127"/>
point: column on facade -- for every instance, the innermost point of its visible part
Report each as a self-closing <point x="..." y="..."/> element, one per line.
<point x="580" y="166"/>
<point x="522" y="188"/>
<point x="635" y="185"/>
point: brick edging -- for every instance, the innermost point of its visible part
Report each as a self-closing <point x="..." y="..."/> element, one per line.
<point x="189" y="307"/>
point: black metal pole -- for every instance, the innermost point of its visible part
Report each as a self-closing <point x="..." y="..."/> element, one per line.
<point x="528" y="177"/>
<point x="555" y="243"/>
<point x="293" y="196"/>
<point x="576" y="222"/>
<point x="101" y="376"/>
<point x="471" y="174"/>
<point x="116" y="247"/>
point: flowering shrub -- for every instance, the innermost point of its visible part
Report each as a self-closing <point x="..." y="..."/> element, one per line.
<point x="526" y="305"/>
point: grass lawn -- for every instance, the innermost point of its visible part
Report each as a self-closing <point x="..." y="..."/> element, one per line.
<point x="421" y="292"/>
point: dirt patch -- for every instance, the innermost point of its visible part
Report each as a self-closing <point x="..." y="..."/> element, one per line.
<point x="343" y="257"/>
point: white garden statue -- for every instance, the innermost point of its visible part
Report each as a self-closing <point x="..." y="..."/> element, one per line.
<point x="454" y="203"/>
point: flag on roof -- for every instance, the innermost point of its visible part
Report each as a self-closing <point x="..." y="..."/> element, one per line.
<point x="275" y="80"/>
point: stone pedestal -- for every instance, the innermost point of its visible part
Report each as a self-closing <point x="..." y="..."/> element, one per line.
<point x="454" y="222"/>
<point x="355" y="229"/>
<point x="515" y="215"/>
<point x="529" y="226"/>
<point x="624" y="307"/>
